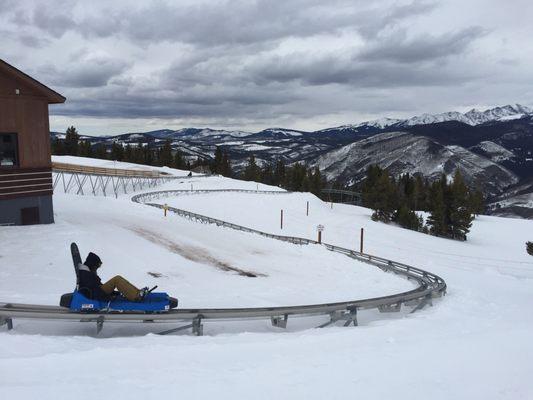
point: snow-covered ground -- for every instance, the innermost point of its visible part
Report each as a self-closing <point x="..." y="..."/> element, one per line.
<point x="473" y="344"/>
<point x="95" y="162"/>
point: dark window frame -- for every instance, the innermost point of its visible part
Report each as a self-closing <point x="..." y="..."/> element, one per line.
<point x="16" y="164"/>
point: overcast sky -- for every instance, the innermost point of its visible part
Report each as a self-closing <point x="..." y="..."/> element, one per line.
<point x="129" y="66"/>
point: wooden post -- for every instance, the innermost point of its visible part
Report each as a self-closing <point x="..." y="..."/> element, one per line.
<point x="307" y="212"/>
<point x="319" y="229"/>
<point x="361" y="244"/>
<point x="281" y="220"/>
<point x="165" y="208"/>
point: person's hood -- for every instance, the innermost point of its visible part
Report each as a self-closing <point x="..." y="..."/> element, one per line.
<point x="92" y="261"/>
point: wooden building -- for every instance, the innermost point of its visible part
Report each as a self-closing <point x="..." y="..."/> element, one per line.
<point x="25" y="158"/>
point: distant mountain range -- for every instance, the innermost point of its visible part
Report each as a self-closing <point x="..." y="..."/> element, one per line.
<point x="492" y="148"/>
<point x="472" y="117"/>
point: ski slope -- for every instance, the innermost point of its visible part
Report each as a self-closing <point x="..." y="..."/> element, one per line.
<point x="474" y="343"/>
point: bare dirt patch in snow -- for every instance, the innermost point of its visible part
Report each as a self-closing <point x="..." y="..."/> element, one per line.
<point x="192" y="253"/>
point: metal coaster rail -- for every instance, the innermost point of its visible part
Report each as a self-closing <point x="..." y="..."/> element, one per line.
<point x="429" y="286"/>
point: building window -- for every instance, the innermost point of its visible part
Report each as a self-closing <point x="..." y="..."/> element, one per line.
<point x="8" y="150"/>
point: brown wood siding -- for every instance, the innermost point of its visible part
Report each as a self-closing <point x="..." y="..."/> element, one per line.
<point x="26" y="114"/>
<point x="28" y="118"/>
<point x="22" y="182"/>
<point x="8" y="85"/>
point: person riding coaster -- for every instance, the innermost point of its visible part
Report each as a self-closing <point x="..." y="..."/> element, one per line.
<point x="116" y="295"/>
<point x="93" y="287"/>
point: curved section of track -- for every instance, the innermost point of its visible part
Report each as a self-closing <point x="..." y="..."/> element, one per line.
<point x="429" y="285"/>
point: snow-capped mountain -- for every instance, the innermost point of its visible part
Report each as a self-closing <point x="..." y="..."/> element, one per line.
<point x="376" y="123"/>
<point x="472" y="117"/>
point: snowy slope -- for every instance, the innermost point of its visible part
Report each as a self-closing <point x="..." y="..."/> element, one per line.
<point x="474" y="343"/>
<point x="95" y="162"/>
<point x="493" y="151"/>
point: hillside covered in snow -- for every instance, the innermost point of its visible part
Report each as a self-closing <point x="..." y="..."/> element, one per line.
<point x="472" y="343"/>
<point x="492" y="148"/>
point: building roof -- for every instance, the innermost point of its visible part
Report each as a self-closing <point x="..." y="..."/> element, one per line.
<point x="52" y="96"/>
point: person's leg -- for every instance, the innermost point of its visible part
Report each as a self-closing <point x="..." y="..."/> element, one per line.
<point x="123" y="286"/>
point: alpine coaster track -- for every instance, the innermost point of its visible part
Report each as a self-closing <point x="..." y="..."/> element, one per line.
<point x="429" y="286"/>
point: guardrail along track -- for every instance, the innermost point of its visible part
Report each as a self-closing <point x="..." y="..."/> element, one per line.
<point x="429" y="287"/>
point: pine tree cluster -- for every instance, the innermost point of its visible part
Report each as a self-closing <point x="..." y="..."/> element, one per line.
<point x="451" y="205"/>
<point x="163" y="156"/>
<point x="139" y="154"/>
<point x="296" y="177"/>
<point x="529" y="248"/>
<point x="221" y="164"/>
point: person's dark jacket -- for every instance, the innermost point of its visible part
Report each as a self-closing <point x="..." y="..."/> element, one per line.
<point x="90" y="283"/>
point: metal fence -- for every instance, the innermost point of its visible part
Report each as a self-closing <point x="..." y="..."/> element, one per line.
<point x="342" y="196"/>
<point x="85" y="169"/>
<point x="107" y="183"/>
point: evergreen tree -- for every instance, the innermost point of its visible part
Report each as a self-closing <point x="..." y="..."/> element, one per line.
<point x="369" y="188"/>
<point x="147" y="155"/>
<point x="117" y="152"/>
<point x="58" y="147"/>
<point x="420" y="194"/>
<point x="178" y="160"/>
<point x="279" y="173"/>
<point x="296" y="178"/>
<point x="251" y="171"/>
<point x="226" y="165"/>
<point x="138" y="155"/>
<point x="267" y="174"/>
<point x="165" y="156"/>
<point x="101" y="151"/>
<point x="305" y="184"/>
<point x="216" y="166"/>
<point x="85" y="149"/>
<point x="406" y="190"/>
<point x="476" y="202"/>
<point x="156" y="154"/>
<point x="71" y="141"/>
<point x="459" y="211"/>
<point x="316" y="183"/>
<point x="128" y="153"/>
<point x="407" y="218"/>
<point x="437" y="219"/>
<point x="529" y="248"/>
<point x="383" y="199"/>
